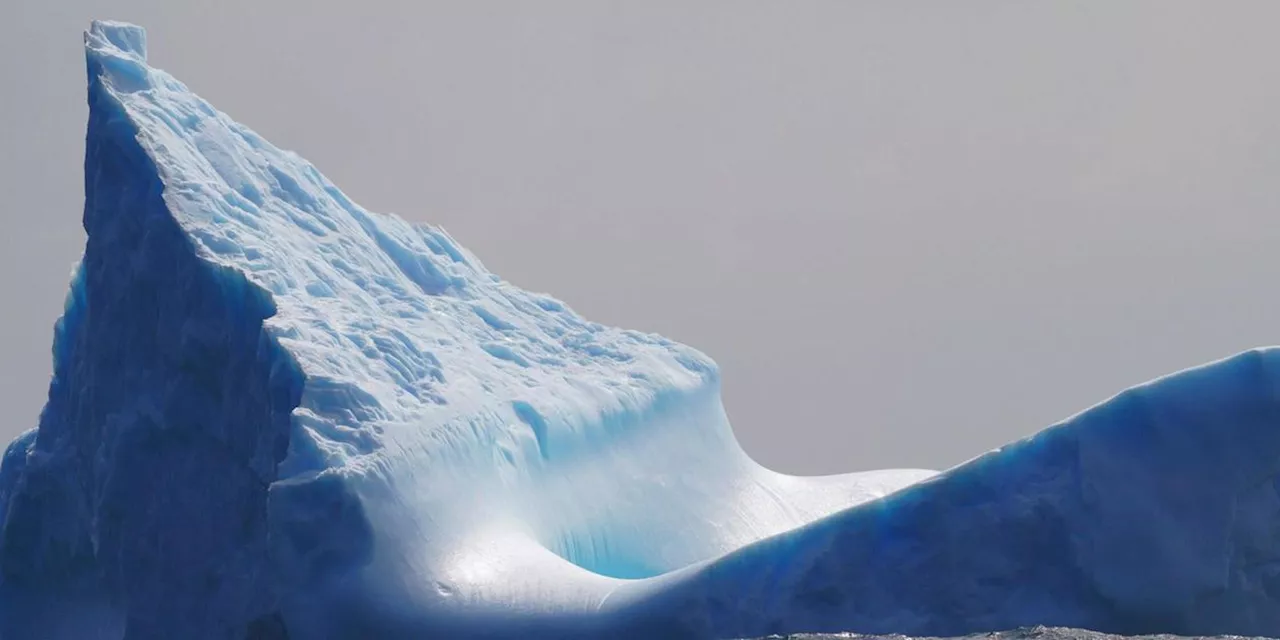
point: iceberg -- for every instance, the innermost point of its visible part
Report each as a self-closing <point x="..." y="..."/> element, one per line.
<point x="275" y="414"/>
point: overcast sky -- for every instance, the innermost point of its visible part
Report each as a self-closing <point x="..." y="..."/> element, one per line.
<point x="907" y="231"/>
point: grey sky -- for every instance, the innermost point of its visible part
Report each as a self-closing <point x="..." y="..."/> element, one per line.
<point x="907" y="231"/>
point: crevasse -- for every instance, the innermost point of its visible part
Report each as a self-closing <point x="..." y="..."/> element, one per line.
<point x="277" y="415"/>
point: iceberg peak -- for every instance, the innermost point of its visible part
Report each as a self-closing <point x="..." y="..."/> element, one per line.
<point x="123" y="38"/>
<point x="116" y="53"/>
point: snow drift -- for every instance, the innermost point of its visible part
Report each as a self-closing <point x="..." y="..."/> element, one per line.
<point x="275" y="414"/>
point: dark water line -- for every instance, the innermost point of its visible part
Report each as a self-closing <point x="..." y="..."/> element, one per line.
<point x="1030" y="633"/>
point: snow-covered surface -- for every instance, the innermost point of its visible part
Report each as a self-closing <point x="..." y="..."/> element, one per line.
<point x="275" y="414"/>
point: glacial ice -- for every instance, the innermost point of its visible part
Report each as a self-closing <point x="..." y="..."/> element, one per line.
<point x="275" y="414"/>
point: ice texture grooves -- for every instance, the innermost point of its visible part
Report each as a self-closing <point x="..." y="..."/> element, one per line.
<point x="275" y="414"/>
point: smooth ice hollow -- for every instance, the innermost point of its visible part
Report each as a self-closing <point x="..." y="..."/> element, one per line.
<point x="277" y="415"/>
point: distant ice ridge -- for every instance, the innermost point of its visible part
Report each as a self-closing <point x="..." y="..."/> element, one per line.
<point x="277" y="415"/>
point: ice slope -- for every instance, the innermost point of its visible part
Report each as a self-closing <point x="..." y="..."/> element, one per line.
<point x="277" y="415"/>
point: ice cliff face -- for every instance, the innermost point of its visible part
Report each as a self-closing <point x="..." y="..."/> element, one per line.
<point x="277" y="415"/>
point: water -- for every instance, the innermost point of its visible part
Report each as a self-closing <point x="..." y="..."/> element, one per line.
<point x="1032" y="633"/>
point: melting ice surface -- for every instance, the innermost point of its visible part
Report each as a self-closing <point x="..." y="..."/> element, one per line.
<point x="275" y="414"/>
